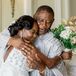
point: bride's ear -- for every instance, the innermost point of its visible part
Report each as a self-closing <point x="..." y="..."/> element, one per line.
<point x="20" y="34"/>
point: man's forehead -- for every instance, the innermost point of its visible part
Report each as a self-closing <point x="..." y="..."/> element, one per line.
<point x="45" y="16"/>
<point x="43" y="11"/>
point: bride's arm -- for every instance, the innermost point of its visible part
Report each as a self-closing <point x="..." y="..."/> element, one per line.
<point x="31" y="51"/>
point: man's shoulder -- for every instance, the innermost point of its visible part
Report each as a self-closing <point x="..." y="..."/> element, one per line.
<point x="45" y="37"/>
<point x="49" y="34"/>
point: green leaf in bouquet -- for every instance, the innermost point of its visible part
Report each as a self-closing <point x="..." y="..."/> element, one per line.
<point x="57" y="31"/>
<point x="66" y="43"/>
<point x="73" y="46"/>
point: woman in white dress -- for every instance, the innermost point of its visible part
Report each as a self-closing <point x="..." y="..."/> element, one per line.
<point x="12" y="61"/>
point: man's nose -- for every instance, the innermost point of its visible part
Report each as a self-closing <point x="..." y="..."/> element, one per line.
<point x="44" y="24"/>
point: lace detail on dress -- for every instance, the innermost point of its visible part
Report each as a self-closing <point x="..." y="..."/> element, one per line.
<point x="18" y="60"/>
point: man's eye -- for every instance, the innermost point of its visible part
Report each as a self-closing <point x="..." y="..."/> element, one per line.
<point x="40" y="20"/>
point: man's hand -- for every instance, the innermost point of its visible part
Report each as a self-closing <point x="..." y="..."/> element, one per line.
<point x="41" y="68"/>
<point x="66" y="55"/>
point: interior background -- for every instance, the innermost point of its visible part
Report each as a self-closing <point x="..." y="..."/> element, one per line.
<point x="62" y="9"/>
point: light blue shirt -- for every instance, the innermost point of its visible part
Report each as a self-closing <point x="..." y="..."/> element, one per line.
<point x="51" y="47"/>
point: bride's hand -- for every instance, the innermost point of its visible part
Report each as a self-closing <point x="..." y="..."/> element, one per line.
<point x="27" y="49"/>
<point x="32" y="58"/>
<point x="15" y="42"/>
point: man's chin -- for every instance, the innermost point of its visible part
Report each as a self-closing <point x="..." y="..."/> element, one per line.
<point x="42" y="32"/>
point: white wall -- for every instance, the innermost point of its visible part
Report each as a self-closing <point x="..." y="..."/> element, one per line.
<point x="37" y="3"/>
<point x="68" y="8"/>
<point x="65" y="9"/>
<point x="72" y="7"/>
<point x="21" y="7"/>
<point x="0" y="15"/>
<point x="6" y="11"/>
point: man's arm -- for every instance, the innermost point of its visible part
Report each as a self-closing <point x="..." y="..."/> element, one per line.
<point x="50" y="62"/>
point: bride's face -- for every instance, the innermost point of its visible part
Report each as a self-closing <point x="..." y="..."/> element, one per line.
<point x="30" y="34"/>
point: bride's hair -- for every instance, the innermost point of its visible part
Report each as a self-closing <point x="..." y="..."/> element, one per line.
<point x="24" y="21"/>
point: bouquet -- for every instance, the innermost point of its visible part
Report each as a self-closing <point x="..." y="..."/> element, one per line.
<point x="66" y="33"/>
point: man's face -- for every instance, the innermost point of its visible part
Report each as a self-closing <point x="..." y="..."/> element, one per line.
<point x="45" y="21"/>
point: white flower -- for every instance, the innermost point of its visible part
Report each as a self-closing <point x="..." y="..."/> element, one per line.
<point x="66" y="33"/>
<point x="67" y="50"/>
<point x="73" y="40"/>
